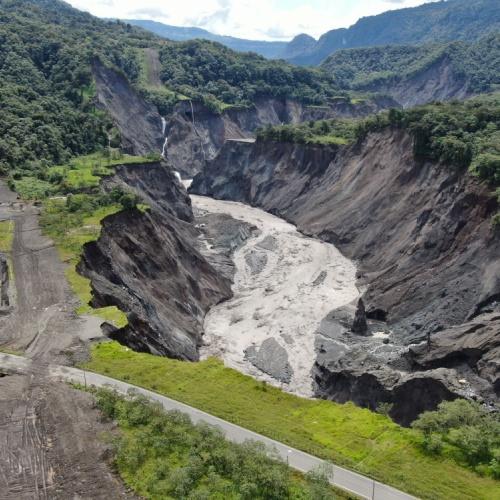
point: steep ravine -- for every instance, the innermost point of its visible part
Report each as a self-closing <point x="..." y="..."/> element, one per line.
<point x="284" y="284"/>
<point x="422" y="237"/>
<point x="147" y="263"/>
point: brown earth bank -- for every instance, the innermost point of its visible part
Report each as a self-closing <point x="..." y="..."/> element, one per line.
<point x="427" y="253"/>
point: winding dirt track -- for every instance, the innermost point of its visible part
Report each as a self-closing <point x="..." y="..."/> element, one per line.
<point x="50" y="444"/>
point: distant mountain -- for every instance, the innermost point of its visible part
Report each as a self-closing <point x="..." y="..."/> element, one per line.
<point x="432" y="22"/>
<point x="413" y="74"/>
<point x="271" y="50"/>
<point x="300" y="44"/>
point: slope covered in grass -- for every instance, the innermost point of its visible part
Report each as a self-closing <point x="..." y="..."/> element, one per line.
<point x="359" y="439"/>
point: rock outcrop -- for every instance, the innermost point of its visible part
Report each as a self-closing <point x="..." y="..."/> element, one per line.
<point x="427" y="255"/>
<point x="196" y="134"/>
<point x="147" y="264"/>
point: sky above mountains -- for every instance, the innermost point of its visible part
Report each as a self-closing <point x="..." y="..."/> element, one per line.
<point x="253" y="19"/>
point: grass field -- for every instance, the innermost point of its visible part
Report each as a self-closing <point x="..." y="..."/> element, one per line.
<point x="359" y="439"/>
<point x="85" y="172"/>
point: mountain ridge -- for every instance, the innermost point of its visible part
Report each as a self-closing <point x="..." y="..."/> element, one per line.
<point x="269" y="49"/>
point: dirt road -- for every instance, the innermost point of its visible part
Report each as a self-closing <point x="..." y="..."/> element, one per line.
<point x="50" y="444"/>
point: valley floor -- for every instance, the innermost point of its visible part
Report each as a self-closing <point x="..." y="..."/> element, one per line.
<point x="284" y="285"/>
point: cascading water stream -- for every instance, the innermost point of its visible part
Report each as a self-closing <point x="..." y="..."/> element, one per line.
<point x="165" y="144"/>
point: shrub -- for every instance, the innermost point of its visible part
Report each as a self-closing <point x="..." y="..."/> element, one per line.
<point x="470" y="430"/>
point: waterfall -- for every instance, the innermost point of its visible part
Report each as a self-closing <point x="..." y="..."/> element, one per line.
<point x="164" y="150"/>
<point x="165" y="144"/>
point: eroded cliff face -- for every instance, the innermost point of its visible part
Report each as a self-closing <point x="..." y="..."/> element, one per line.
<point x="138" y="121"/>
<point x="427" y="255"/>
<point x="193" y="142"/>
<point x="438" y="82"/>
<point x="147" y="264"/>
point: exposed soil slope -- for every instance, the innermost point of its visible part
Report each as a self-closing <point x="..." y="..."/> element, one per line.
<point x="148" y="265"/>
<point x="50" y="443"/>
<point x="138" y="121"/>
<point x="421" y="233"/>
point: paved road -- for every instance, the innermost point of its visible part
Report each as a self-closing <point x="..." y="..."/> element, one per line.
<point x="342" y="478"/>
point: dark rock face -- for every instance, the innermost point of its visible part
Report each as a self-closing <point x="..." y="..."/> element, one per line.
<point x="4" y="282"/>
<point x="427" y="254"/>
<point x="191" y="145"/>
<point x="359" y="325"/>
<point x="475" y="344"/>
<point x="138" y="121"/>
<point x="147" y="265"/>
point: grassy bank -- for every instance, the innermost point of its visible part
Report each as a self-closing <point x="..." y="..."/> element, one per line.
<point x="347" y="435"/>
<point x="73" y="208"/>
<point x="6" y="240"/>
<point x="70" y="231"/>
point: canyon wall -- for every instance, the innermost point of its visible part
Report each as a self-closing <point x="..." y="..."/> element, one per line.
<point x="428" y="256"/>
<point x="192" y="142"/>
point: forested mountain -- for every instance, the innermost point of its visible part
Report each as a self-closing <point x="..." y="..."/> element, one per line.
<point x="271" y="50"/>
<point x="207" y="68"/>
<point x="46" y="83"/>
<point x="432" y="22"/>
<point x="46" y="49"/>
<point x="377" y="68"/>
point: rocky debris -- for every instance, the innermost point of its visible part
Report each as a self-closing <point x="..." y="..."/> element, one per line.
<point x="420" y="233"/>
<point x="256" y="261"/>
<point x="272" y="359"/>
<point x="220" y="236"/>
<point x="475" y="344"/>
<point x="359" y="325"/>
<point x="138" y="121"/>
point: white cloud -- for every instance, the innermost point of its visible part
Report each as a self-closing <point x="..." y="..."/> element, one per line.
<point x="255" y="19"/>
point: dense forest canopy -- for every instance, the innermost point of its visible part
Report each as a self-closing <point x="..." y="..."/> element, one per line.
<point x="205" y="68"/>
<point x="46" y="83"/>
<point x="46" y="49"/>
<point x="367" y="68"/>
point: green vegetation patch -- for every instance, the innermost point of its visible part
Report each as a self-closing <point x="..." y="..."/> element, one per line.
<point x="336" y="131"/>
<point x="71" y="223"/>
<point x="163" y="455"/>
<point x="367" y="442"/>
<point x="6" y="235"/>
<point x="466" y="429"/>
<point x="211" y="72"/>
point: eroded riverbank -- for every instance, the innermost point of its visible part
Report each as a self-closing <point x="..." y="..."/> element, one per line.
<point x="285" y="284"/>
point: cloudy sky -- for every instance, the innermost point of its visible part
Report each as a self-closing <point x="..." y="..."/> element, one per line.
<point x="254" y="19"/>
